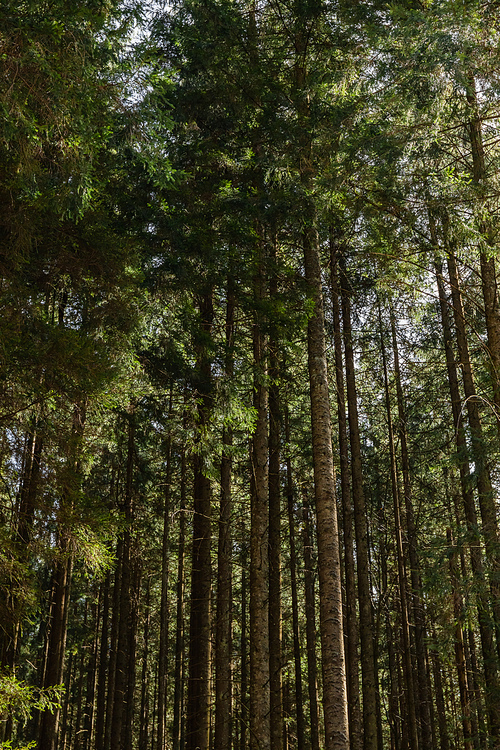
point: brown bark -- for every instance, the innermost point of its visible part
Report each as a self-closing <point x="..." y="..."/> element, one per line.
<point x="118" y="717"/>
<point x="198" y="701"/>
<point x="366" y="628"/>
<point x="179" y="615"/>
<point x="437" y="669"/>
<point x="260" y="730"/>
<point x="275" y="624"/>
<point x="223" y="633"/>
<point x="61" y="584"/>
<point x="100" y="710"/>
<point x="310" y="601"/>
<point x="402" y="584"/>
<point x="90" y="693"/>
<point x="144" y="714"/>
<point x="164" y="611"/>
<point x="299" y="701"/>
<point x="113" y="649"/>
<point x="49" y="722"/>
<point x="244" y="698"/>
<point x="331" y="625"/>
<point x="351" y="635"/>
<point x="417" y="606"/>
<point x="460" y="662"/>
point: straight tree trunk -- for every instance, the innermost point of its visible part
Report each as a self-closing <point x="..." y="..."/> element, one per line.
<point x="460" y="661"/>
<point x="366" y="629"/>
<point x="405" y="625"/>
<point x="179" y="615"/>
<point x="351" y="634"/>
<point x="260" y="731"/>
<point x="113" y="646"/>
<point x="275" y="625"/>
<point x="120" y="693"/>
<point x="164" y="614"/>
<point x="61" y="584"/>
<point x="88" y="724"/>
<point x="144" y="716"/>
<point x="128" y="729"/>
<point x="417" y="607"/>
<point x="223" y="633"/>
<point x="330" y="579"/>
<point x="444" y="740"/>
<point x="297" y="658"/>
<point x="198" y="701"/>
<point x="100" y="710"/>
<point x="330" y="591"/>
<point x="310" y="601"/>
<point x="244" y="698"/>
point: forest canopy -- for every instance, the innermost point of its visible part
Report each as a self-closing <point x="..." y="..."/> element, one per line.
<point x="249" y="375"/>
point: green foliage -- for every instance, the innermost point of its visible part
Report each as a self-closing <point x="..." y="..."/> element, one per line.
<point x="21" y="699"/>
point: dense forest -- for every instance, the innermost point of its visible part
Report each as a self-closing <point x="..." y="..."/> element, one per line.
<point x="249" y="375"/>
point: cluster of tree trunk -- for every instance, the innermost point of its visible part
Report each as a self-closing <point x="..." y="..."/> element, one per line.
<point x="250" y="399"/>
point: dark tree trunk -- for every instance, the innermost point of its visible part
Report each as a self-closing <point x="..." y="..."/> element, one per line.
<point x="460" y="661"/>
<point x="49" y="722"/>
<point x="405" y="625"/>
<point x="100" y="721"/>
<point x="351" y="630"/>
<point x="120" y="693"/>
<point x="417" y="605"/>
<point x="223" y="634"/>
<point x="275" y="625"/>
<point x="244" y="697"/>
<point x="144" y="716"/>
<point x="179" y="615"/>
<point x="310" y="601"/>
<point x="260" y="731"/>
<point x="198" y="701"/>
<point x="366" y="627"/>
<point x="164" y="613"/>
<point x="299" y="701"/>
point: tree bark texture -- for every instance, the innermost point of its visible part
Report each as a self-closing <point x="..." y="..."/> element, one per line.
<point x="198" y="702"/>
<point x="331" y="616"/>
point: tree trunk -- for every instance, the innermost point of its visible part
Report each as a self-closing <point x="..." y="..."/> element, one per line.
<point x="144" y="716"/>
<point x="460" y="662"/>
<point x="366" y="629"/>
<point x="299" y="702"/>
<point x="223" y="633"/>
<point x="198" y="702"/>
<point x="179" y="615"/>
<point x="424" y="700"/>
<point x="312" y="669"/>
<point x="405" y="626"/>
<point x="49" y="723"/>
<point x="351" y="634"/>
<point x="120" y="692"/>
<point x="56" y="646"/>
<point x="100" y="710"/>
<point x="260" y="731"/>
<point x="164" y="613"/>
<point x="330" y="591"/>
<point x="275" y="625"/>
